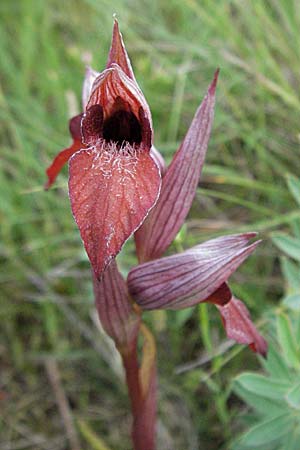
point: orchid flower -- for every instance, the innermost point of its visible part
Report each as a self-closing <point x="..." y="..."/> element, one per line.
<point x="114" y="181"/>
<point x="119" y="186"/>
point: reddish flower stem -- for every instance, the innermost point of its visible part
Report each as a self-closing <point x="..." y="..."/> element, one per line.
<point x="143" y="405"/>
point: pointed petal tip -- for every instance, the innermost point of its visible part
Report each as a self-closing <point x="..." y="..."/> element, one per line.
<point x="116" y="30"/>
<point x="118" y="54"/>
<point x="251" y="247"/>
<point x="117" y="39"/>
<point x="260" y="347"/>
<point x="250" y="234"/>
<point x="212" y="87"/>
<point x="254" y="245"/>
<point x="116" y="23"/>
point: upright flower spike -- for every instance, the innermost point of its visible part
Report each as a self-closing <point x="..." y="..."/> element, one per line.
<point x="114" y="177"/>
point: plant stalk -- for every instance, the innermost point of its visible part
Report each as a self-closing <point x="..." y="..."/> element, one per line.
<point x="143" y="402"/>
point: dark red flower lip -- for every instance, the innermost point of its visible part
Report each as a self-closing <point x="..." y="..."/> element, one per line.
<point x="110" y="197"/>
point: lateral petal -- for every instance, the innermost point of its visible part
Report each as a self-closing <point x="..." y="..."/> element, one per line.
<point x="63" y="157"/>
<point x="111" y="192"/>
<point x="59" y="161"/>
<point x="115" y="310"/>
<point x="118" y="54"/>
<point x="238" y="326"/>
<point x="179" y="184"/>
<point x="75" y="127"/>
<point x="183" y="280"/>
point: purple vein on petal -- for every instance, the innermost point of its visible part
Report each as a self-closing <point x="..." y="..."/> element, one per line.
<point x="188" y="278"/>
<point x="179" y="184"/>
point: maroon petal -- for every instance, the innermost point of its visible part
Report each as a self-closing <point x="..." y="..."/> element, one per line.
<point x="63" y="157"/>
<point x="221" y="296"/>
<point x="111" y="192"/>
<point x="179" y="184"/>
<point x="59" y="161"/>
<point x="118" y="54"/>
<point x="75" y="127"/>
<point x="114" y="307"/>
<point x="238" y="326"/>
<point x="183" y="280"/>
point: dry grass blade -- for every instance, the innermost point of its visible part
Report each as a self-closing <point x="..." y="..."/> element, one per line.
<point x="62" y="403"/>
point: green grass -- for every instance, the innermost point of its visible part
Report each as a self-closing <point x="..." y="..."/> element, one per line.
<point x="45" y="290"/>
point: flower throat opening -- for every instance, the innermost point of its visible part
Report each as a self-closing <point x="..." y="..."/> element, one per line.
<point x="122" y="126"/>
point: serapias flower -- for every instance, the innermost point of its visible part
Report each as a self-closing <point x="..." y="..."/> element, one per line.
<point x="114" y="175"/>
<point x="115" y="181"/>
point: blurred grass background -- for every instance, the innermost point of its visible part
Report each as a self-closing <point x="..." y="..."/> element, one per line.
<point x="48" y="324"/>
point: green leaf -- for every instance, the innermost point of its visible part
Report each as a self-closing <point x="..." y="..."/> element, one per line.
<point x="286" y="339"/>
<point x="293" y="397"/>
<point x="292" y="301"/>
<point x="297" y="326"/>
<point x="288" y="244"/>
<point x="268" y="431"/>
<point x="294" y="187"/>
<point x="262" y="405"/>
<point x="263" y="386"/>
<point x="291" y="272"/>
<point x="276" y="365"/>
<point x="295" y="224"/>
<point x="292" y="441"/>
